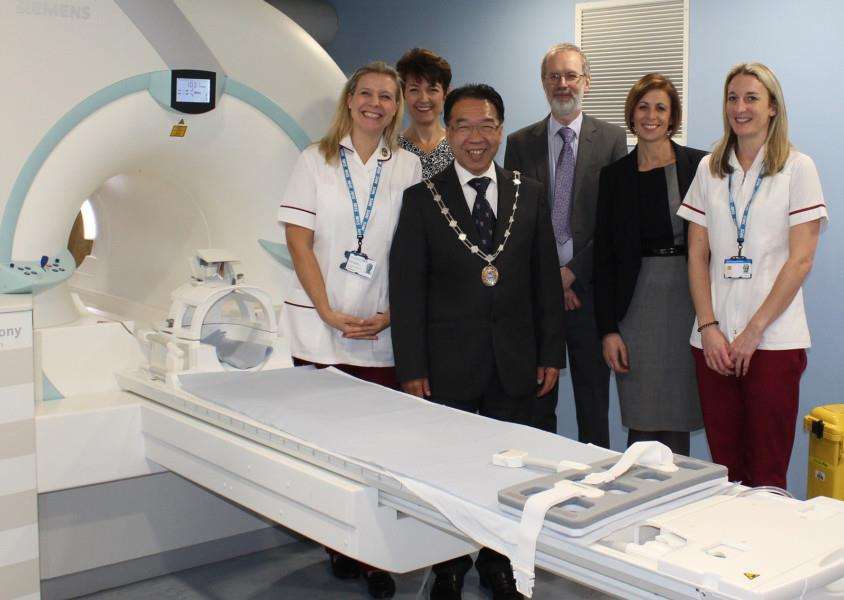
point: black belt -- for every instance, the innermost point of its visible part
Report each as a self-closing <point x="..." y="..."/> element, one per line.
<point x="670" y="251"/>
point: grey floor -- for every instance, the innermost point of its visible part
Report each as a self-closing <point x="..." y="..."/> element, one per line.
<point x="300" y="570"/>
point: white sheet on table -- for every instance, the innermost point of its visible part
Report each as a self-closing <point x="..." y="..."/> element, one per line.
<point x="442" y="455"/>
<point x="407" y="436"/>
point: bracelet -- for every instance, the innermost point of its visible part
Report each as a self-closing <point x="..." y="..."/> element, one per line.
<point x="705" y="325"/>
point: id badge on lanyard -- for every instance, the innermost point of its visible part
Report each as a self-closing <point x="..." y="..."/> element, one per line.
<point x="740" y="266"/>
<point x="356" y="262"/>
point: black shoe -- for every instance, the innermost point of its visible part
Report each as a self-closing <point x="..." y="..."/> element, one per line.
<point x="344" y="567"/>
<point x="502" y="584"/>
<point x="379" y="583"/>
<point x="447" y="587"/>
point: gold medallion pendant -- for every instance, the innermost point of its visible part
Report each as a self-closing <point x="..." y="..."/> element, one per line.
<point x="489" y="275"/>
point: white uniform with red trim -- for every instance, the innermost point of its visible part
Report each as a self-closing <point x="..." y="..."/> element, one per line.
<point x="788" y="198"/>
<point x="317" y="198"/>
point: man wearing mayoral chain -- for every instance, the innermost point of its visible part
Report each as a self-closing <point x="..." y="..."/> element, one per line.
<point x="475" y="290"/>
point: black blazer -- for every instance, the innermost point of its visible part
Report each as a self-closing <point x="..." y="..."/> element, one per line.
<point x="448" y="326"/>
<point x="617" y="241"/>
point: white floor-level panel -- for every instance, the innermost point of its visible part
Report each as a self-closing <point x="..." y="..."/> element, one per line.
<point x="103" y="505"/>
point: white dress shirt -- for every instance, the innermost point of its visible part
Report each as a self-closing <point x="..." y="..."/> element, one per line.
<point x="469" y="192"/>
<point x="565" y="251"/>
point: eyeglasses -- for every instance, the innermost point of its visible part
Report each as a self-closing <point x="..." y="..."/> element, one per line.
<point x="485" y="130"/>
<point x="568" y="76"/>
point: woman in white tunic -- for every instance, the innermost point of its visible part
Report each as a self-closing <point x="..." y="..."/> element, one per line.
<point x="755" y="210"/>
<point x="340" y="211"/>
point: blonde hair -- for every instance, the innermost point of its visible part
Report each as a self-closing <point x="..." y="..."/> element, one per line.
<point x="341" y="124"/>
<point x="777" y="145"/>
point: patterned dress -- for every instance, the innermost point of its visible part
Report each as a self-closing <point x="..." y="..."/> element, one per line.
<point x="434" y="162"/>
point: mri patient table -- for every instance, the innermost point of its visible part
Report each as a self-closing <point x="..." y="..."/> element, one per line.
<point x="402" y="483"/>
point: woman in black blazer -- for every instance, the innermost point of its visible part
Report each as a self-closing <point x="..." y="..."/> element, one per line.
<point x="642" y="304"/>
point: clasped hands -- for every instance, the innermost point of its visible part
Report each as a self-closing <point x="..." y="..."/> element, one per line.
<point x="730" y="359"/>
<point x="721" y="356"/>
<point x="356" y="328"/>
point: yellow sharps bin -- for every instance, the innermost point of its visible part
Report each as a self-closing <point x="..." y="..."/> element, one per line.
<point x="825" y="425"/>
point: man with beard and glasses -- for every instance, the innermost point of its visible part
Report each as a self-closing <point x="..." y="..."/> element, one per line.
<point x="565" y="152"/>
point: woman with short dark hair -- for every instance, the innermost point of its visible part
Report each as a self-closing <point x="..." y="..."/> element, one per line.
<point x="642" y="303"/>
<point x="426" y="78"/>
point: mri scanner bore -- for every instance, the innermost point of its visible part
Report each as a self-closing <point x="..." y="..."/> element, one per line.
<point x="192" y="91"/>
<point x="156" y="198"/>
<point x="253" y="89"/>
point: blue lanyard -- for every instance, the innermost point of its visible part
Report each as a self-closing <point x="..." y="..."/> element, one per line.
<point x="741" y="229"/>
<point x="360" y="226"/>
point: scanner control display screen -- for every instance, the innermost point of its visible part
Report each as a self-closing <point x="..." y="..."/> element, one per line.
<point x="193" y="90"/>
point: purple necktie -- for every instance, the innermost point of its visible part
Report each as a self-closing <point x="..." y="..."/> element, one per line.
<point x="563" y="181"/>
<point x="482" y="213"/>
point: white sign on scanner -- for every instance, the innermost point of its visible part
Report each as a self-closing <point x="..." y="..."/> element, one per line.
<point x="193" y="90"/>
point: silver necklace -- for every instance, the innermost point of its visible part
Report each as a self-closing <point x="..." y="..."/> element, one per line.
<point x="489" y="274"/>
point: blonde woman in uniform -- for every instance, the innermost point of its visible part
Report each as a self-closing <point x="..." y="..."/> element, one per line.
<point x="340" y="211"/>
<point x="755" y="209"/>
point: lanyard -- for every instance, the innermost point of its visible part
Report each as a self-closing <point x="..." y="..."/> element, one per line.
<point x="360" y="226"/>
<point x="741" y="229"/>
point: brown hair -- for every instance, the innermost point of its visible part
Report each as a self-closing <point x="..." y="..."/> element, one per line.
<point x="341" y="124"/>
<point x="654" y="81"/>
<point x="566" y="47"/>
<point x="777" y="146"/>
<point x="424" y="64"/>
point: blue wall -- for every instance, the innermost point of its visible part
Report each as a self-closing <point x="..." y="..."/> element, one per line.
<point x="501" y="42"/>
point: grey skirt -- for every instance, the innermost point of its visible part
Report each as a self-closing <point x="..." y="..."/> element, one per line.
<point x="660" y="391"/>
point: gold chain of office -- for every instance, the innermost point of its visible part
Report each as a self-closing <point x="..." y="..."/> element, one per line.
<point x="489" y="274"/>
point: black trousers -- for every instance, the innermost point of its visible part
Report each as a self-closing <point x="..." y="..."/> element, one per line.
<point x="678" y="441"/>
<point x="489" y="561"/>
<point x="590" y="375"/>
<point x="543" y="411"/>
<point x="494" y="403"/>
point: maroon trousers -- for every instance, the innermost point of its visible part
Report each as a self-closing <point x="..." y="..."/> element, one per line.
<point x="750" y="420"/>
<point x="385" y="376"/>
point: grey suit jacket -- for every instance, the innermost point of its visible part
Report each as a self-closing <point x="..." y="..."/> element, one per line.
<point x="600" y="144"/>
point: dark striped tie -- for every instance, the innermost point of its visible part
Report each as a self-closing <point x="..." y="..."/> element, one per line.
<point x="482" y="213"/>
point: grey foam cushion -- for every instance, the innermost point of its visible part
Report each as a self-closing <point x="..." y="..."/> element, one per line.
<point x="638" y="486"/>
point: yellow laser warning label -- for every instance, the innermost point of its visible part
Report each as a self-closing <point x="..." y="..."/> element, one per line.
<point x="179" y="129"/>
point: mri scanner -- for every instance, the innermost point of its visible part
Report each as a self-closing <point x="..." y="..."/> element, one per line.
<point x="142" y="394"/>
